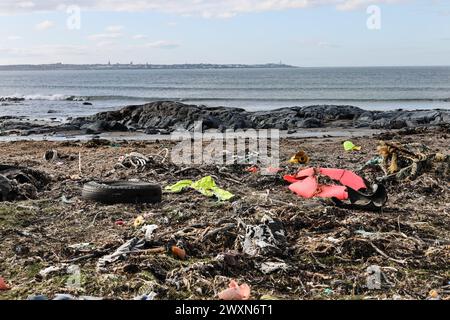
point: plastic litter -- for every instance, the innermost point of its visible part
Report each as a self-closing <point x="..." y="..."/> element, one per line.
<point x="125" y="249"/>
<point x="133" y="159"/>
<point x="268" y="170"/>
<point x="349" y="146"/>
<point x="328" y="291"/>
<point x="180" y="186"/>
<point x="434" y="295"/>
<point x="300" y="157"/>
<point x="270" y="267"/>
<point x="119" y="223"/>
<point x="139" y="221"/>
<point x="272" y="170"/>
<point x="146" y="297"/>
<point x="44" y="273"/>
<point x="305" y="184"/>
<point x="235" y="292"/>
<point x="149" y="231"/>
<point x="3" y="285"/>
<point x="178" y="252"/>
<point x="206" y="186"/>
<point x="253" y="169"/>
<point x="264" y="239"/>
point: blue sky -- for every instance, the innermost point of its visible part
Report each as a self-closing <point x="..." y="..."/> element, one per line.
<point x="300" y="32"/>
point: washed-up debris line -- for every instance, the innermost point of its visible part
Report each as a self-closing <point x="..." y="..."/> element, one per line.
<point x="263" y="242"/>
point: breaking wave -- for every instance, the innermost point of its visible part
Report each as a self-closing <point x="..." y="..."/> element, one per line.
<point x="53" y="97"/>
<point x="130" y="99"/>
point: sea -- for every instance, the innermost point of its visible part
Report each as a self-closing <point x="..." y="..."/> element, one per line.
<point x="60" y="94"/>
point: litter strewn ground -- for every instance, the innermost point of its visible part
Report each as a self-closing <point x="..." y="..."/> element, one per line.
<point x="194" y="247"/>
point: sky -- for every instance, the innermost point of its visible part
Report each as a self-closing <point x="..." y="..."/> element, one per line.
<point x="308" y="33"/>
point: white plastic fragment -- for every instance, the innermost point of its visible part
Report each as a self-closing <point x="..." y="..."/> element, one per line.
<point x="149" y="230"/>
<point x="270" y="267"/>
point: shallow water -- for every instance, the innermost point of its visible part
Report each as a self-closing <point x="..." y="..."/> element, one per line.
<point x="137" y="136"/>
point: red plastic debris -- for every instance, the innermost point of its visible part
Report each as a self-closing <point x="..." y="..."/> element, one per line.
<point x="309" y="172"/>
<point x="305" y="183"/>
<point x="253" y="169"/>
<point x="235" y="292"/>
<point x="346" y="177"/>
<point x="290" y="179"/>
<point x="306" y="188"/>
<point x="339" y="192"/>
<point x="120" y="223"/>
<point x="3" y="285"/>
<point x="178" y="252"/>
<point x="273" y="170"/>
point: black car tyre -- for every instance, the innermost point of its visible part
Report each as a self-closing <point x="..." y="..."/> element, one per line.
<point x="122" y="192"/>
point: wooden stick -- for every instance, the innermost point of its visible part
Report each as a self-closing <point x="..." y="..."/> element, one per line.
<point x="79" y="162"/>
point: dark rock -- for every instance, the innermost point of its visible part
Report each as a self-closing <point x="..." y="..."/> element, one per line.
<point x="163" y="117"/>
<point x="87" y="104"/>
<point x="102" y="126"/>
<point x="95" y="127"/>
<point x="116" y="126"/>
<point x="310" y="123"/>
<point x="11" y="99"/>
<point x="397" y="124"/>
<point x="166" y="115"/>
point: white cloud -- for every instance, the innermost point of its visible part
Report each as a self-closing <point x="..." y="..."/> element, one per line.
<point x="13" y="38"/>
<point x="314" y="43"/>
<point x="139" y="37"/>
<point x="114" y="28"/>
<point x="162" y="44"/>
<point x="111" y="32"/>
<point x="26" y="4"/>
<point x="103" y="36"/>
<point x="45" y="51"/>
<point x="103" y="44"/>
<point x="45" y="25"/>
<point x="357" y="4"/>
<point x="203" y="8"/>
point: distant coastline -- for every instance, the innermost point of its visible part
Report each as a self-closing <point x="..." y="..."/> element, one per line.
<point x="118" y="66"/>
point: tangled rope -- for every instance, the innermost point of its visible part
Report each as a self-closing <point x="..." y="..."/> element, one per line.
<point x="139" y="161"/>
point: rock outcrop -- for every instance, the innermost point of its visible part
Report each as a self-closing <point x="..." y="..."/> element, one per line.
<point x="168" y="116"/>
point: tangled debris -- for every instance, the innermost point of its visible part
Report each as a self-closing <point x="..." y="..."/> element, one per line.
<point x="410" y="161"/>
<point x="192" y="247"/>
<point x="18" y="183"/>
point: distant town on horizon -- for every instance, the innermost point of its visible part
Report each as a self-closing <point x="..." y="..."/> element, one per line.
<point x="131" y="65"/>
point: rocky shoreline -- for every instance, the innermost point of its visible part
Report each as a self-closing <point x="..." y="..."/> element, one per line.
<point x="163" y="117"/>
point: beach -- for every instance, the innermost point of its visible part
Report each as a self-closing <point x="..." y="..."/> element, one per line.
<point x="325" y="254"/>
